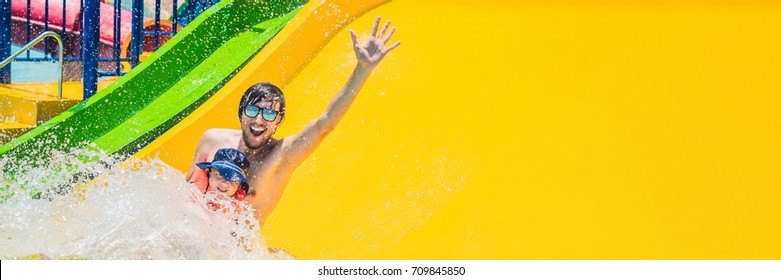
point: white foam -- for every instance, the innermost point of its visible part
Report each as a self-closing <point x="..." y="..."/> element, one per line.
<point x="105" y="208"/>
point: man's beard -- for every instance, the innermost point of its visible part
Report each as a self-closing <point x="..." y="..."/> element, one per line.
<point x="247" y="142"/>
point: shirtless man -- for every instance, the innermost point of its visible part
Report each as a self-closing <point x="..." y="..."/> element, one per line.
<point x="262" y="110"/>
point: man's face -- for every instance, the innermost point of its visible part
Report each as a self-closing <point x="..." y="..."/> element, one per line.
<point x="257" y="131"/>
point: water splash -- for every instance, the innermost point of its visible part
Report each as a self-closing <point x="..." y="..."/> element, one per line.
<point x="85" y="204"/>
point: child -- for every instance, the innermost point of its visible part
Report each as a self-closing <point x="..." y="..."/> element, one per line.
<point x="226" y="174"/>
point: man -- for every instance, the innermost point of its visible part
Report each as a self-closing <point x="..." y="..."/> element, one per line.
<point x="262" y="110"/>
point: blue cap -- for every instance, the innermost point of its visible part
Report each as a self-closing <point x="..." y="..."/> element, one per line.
<point x="231" y="164"/>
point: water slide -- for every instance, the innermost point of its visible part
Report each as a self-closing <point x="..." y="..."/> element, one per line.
<point x="504" y="130"/>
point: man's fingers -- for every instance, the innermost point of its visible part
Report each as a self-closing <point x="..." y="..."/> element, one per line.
<point x="387" y="38"/>
<point x="392" y="46"/>
<point x="376" y="25"/>
<point x="384" y="28"/>
<point x="355" y="38"/>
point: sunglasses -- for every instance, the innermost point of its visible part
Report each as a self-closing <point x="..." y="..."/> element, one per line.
<point x="267" y="113"/>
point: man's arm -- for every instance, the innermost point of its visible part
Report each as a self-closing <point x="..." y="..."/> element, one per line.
<point x="369" y="55"/>
<point x="200" y="155"/>
<point x="210" y="141"/>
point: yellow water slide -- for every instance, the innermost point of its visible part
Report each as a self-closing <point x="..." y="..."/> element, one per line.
<point x="527" y="130"/>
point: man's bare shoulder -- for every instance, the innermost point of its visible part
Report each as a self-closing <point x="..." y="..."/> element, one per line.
<point x="220" y="137"/>
<point x="283" y="147"/>
<point x="217" y="134"/>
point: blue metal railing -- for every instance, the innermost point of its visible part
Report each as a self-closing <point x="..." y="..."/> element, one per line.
<point x="90" y="41"/>
<point x="83" y="40"/>
<point x="136" y="31"/>
<point x="5" y="39"/>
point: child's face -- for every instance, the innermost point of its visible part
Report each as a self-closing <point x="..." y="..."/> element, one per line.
<point x="220" y="185"/>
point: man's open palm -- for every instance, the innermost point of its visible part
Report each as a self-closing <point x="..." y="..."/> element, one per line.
<point x="371" y="52"/>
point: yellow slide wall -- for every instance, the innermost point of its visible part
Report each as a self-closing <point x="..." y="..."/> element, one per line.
<point x="528" y="130"/>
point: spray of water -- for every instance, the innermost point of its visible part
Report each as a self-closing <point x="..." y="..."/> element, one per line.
<point x="84" y="204"/>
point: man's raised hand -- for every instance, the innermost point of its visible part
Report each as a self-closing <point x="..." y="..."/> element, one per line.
<point x="371" y="52"/>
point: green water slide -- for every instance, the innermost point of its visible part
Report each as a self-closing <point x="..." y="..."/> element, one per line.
<point x="166" y="87"/>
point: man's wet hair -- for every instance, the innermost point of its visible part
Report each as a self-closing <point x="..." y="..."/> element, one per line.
<point x="260" y="91"/>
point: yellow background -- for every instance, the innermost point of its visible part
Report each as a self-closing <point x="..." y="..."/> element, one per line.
<point x="534" y="130"/>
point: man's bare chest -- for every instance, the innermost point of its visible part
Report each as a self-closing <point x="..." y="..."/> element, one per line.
<point x="263" y="170"/>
